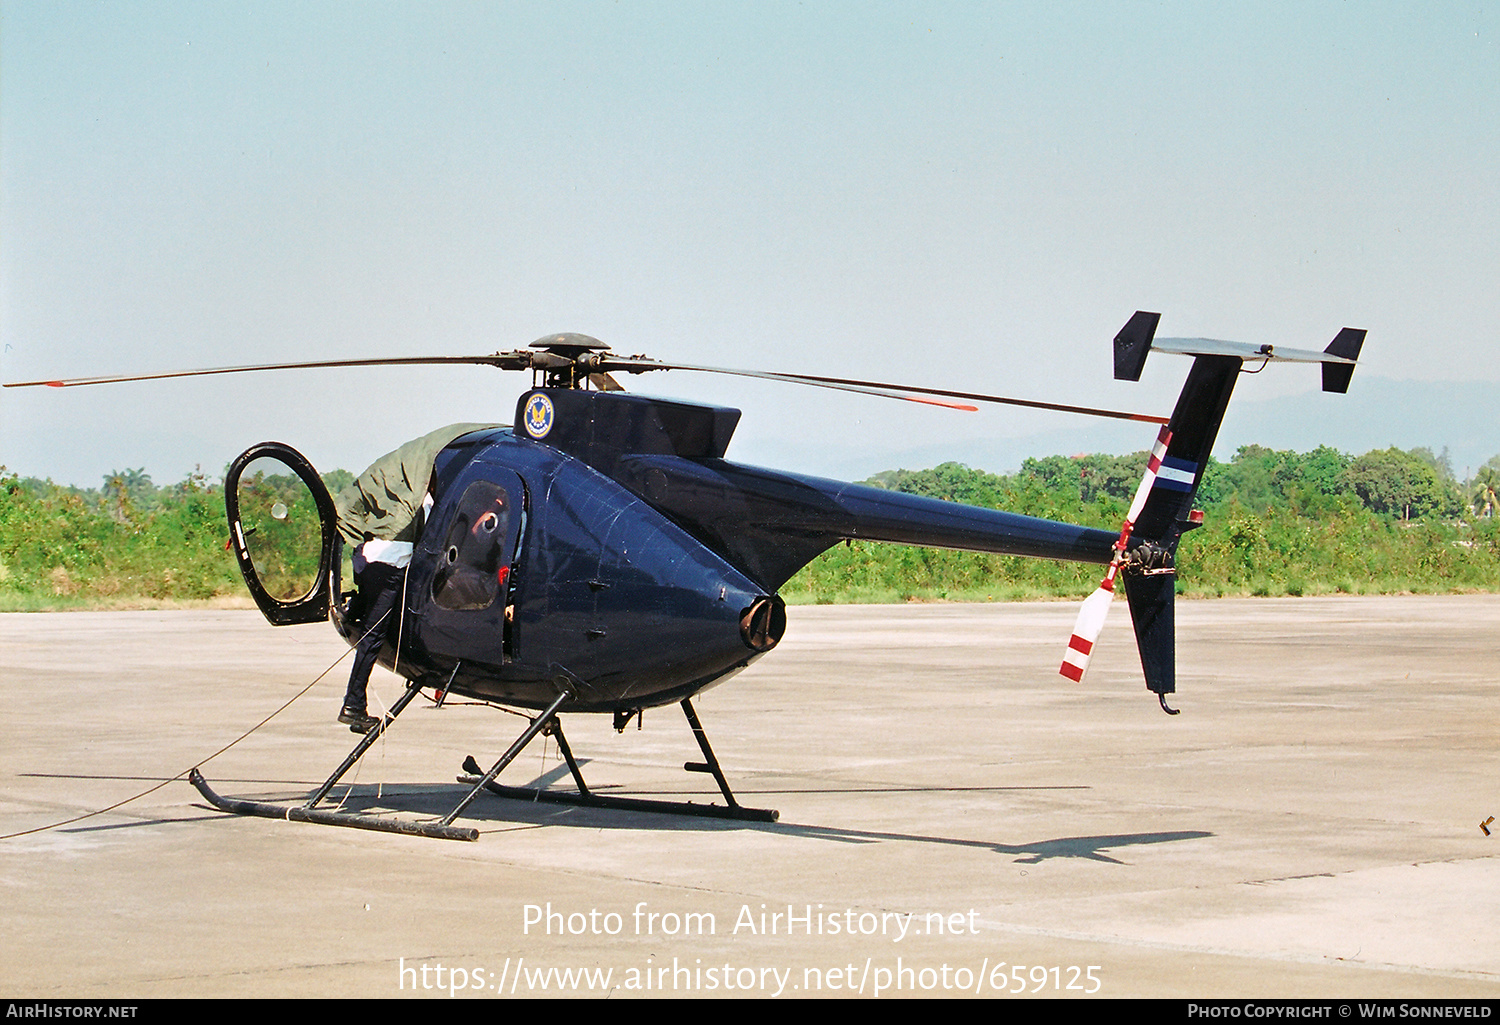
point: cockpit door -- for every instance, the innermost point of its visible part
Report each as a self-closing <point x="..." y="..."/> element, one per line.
<point x="472" y="543"/>
<point x="284" y="532"/>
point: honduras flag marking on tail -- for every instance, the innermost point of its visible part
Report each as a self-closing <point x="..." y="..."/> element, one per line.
<point x="1176" y="474"/>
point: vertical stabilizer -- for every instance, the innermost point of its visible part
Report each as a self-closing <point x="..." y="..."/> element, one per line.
<point x="1194" y="426"/>
<point x="1345" y="345"/>
<point x="1152" y="613"/>
<point x="1150" y="581"/>
<point x="1133" y="344"/>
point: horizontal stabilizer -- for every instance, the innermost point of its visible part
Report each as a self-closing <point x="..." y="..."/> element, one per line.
<point x="1247" y="350"/>
<point x="1338" y="359"/>
<point x="1138" y="338"/>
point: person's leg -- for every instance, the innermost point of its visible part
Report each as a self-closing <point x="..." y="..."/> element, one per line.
<point x="383" y="584"/>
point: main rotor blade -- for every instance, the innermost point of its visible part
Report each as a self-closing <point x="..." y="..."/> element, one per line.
<point x="503" y="360"/>
<point x="597" y="371"/>
<point x="638" y="365"/>
<point x="600" y="365"/>
<point x="641" y="365"/>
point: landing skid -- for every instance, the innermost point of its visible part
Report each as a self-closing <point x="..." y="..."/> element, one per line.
<point x="588" y="799"/>
<point x="440" y="829"/>
<point x="303" y="813"/>
<point x="443" y="828"/>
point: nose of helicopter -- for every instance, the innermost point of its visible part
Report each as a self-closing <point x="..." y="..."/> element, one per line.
<point x="763" y="622"/>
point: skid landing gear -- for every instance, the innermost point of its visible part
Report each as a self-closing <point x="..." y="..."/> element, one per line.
<point x="587" y="798"/>
<point x="444" y="829"/>
<point x="441" y="829"/>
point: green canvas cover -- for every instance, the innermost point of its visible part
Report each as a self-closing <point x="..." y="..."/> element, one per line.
<point x="383" y="502"/>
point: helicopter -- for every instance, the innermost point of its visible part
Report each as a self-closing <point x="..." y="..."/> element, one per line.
<point x="601" y="555"/>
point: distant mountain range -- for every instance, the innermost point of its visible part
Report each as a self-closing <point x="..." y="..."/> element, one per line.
<point x="1463" y="417"/>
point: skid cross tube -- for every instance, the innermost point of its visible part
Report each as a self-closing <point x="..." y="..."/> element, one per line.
<point x="537" y="725"/>
<point x="588" y="799"/>
<point x="710" y="764"/>
<point x="443" y="830"/>
<point x="567" y="753"/>
<point x="371" y="735"/>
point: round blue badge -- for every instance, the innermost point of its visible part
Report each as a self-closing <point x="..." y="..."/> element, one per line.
<point x="538" y="415"/>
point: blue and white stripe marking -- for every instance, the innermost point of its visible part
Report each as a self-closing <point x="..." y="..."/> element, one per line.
<point x="1176" y="474"/>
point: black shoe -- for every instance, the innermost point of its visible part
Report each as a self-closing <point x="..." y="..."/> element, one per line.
<point x="357" y="720"/>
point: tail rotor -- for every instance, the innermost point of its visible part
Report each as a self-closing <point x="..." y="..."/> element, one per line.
<point x="1163" y="508"/>
<point x="1096" y="607"/>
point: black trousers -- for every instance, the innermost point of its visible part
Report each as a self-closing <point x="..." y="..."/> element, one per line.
<point x="376" y="610"/>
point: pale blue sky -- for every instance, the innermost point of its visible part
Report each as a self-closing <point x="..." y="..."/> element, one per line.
<point x="970" y="195"/>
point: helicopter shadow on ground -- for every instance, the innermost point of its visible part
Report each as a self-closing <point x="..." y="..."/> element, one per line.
<point x="494" y="814"/>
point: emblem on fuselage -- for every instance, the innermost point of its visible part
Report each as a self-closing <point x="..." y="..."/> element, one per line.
<point x="538" y="415"/>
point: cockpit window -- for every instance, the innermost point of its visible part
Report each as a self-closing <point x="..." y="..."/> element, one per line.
<point x="474" y="564"/>
<point x="279" y="521"/>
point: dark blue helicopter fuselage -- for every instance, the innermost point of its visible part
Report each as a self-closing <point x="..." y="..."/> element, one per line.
<point x="638" y="566"/>
<point x="603" y="591"/>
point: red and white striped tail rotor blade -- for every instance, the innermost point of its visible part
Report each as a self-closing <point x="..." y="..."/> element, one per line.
<point x="1096" y="606"/>
<point x="1086" y="629"/>
<point x="1143" y="492"/>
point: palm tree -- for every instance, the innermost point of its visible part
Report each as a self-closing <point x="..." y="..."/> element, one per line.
<point x="1484" y="492"/>
<point x="125" y="490"/>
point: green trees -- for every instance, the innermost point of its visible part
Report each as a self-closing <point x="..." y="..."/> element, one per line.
<point x="1402" y="484"/>
<point x="1277" y="522"/>
<point x="952" y="482"/>
<point x="1093" y="476"/>
<point x="1259" y="476"/>
<point x="128" y="542"/>
<point x="128" y="493"/>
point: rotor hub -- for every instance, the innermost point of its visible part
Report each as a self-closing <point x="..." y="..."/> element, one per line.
<point x="570" y="344"/>
<point x="568" y="360"/>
